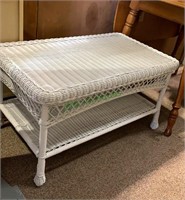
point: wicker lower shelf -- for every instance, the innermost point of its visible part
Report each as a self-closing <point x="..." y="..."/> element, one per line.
<point x="79" y="128"/>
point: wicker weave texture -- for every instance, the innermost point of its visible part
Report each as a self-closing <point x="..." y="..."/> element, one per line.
<point x="90" y="122"/>
<point x="59" y="70"/>
<point x="62" y="111"/>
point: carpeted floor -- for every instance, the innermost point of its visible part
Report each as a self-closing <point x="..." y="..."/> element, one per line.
<point x="130" y="163"/>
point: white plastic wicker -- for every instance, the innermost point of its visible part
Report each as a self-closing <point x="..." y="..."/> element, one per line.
<point x="87" y="83"/>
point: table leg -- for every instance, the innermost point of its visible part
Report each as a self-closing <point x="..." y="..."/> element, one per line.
<point x="40" y="178"/>
<point x="155" y="121"/>
<point x="177" y="45"/>
<point x="179" y="41"/>
<point x="131" y="18"/>
<point x="176" y="106"/>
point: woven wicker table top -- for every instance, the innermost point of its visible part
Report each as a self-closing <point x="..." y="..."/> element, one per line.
<point x="55" y="70"/>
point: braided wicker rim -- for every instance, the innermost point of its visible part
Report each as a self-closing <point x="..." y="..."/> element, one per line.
<point x="41" y="96"/>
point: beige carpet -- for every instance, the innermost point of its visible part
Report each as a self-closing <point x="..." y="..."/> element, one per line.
<point x="130" y="163"/>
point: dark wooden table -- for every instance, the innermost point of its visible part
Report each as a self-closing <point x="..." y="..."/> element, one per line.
<point x="172" y="10"/>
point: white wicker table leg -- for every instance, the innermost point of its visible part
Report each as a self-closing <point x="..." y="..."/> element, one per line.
<point x="40" y="178"/>
<point x="155" y="121"/>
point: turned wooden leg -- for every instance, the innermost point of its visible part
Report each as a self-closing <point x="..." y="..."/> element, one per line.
<point x="177" y="45"/>
<point x="131" y="18"/>
<point x="174" y="112"/>
<point x="179" y="41"/>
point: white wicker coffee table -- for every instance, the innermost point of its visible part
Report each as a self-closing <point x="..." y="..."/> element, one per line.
<point x="71" y="90"/>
